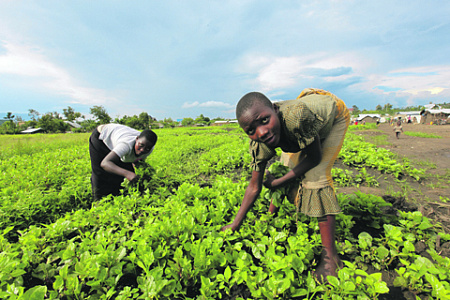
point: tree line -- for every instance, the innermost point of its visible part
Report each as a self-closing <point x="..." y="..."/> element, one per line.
<point x="55" y="122"/>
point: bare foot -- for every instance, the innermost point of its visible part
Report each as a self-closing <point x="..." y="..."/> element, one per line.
<point x="327" y="266"/>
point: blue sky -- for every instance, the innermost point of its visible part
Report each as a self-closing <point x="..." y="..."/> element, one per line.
<point x="185" y="58"/>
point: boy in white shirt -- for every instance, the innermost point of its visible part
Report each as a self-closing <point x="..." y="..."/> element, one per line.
<point x="113" y="149"/>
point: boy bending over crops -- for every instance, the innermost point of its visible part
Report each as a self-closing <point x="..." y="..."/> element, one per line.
<point x="113" y="149"/>
<point x="313" y="125"/>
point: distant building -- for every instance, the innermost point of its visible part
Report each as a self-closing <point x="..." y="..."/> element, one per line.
<point x="220" y="123"/>
<point x="32" y="130"/>
<point x="406" y="115"/>
<point x="368" y="118"/>
<point x="430" y="106"/>
<point x="434" y="115"/>
<point x="73" y="124"/>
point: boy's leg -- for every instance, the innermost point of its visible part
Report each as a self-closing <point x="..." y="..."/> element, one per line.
<point x="329" y="261"/>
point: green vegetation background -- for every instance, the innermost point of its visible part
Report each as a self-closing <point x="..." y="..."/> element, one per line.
<point x="161" y="239"/>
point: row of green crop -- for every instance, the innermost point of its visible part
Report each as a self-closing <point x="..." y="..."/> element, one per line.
<point x="154" y="246"/>
<point x="53" y="176"/>
<point x="357" y="153"/>
<point x="40" y="186"/>
<point x="163" y="239"/>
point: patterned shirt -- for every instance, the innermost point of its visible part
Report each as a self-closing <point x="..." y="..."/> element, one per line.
<point x="301" y="121"/>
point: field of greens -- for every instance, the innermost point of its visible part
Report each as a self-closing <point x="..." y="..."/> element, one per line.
<point x="161" y="238"/>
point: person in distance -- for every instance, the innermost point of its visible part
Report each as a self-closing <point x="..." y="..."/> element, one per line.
<point x="113" y="149"/>
<point x="310" y="131"/>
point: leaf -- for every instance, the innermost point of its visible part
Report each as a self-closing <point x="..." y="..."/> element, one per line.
<point x="227" y="273"/>
<point x="333" y="280"/>
<point x="381" y="287"/>
<point x="17" y="273"/>
<point x="382" y="252"/>
<point x="58" y="284"/>
<point x="35" y="293"/>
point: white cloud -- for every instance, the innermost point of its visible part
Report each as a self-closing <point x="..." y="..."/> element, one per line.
<point x="413" y="82"/>
<point x="190" y="105"/>
<point x="41" y="74"/>
<point x="274" y="73"/>
<point x="207" y="104"/>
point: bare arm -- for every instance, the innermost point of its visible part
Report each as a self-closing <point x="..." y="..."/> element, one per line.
<point x="313" y="158"/>
<point x="251" y="194"/>
<point x="109" y="164"/>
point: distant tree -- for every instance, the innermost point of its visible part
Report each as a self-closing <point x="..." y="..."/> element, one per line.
<point x="202" y="120"/>
<point x="9" y="116"/>
<point x="133" y="122"/>
<point x="218" y="119"/>
<point x="71" y="114"/>
<point x="356" y="110"/>
<point x="88" y="125"/>
<point x="99" y="112"/>
<point x="169" y="122"/>
<point x="144" y="120"/>
<point x="387" y="107"/>
<point x="187" y="121"/>
<point x="379" y="107"/>
<point x="8" y="127"/>
<point x="34" y="114"/>
<point x="51" y="122"/>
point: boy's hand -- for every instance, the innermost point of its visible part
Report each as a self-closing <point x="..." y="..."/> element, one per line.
<point x="132" y="177"/>
<point x="229" y="226"/>
<point x="269" y="182"/>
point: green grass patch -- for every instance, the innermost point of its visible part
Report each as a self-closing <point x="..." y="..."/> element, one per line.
<point x="378" y="140"/>
<point x="423" y="135"/>
<point x="368" y="126"/>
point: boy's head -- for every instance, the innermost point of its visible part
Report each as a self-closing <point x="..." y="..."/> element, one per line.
<point x="258" y="117"/>
<point x="145" y="142"/>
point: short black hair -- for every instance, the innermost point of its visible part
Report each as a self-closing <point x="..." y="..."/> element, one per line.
<point x="149" y="135"/>
<point x="249" y="99"/>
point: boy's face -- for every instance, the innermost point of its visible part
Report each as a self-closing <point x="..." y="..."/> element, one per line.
<point x="261" y="123"/>
<point x="142" y="146"/>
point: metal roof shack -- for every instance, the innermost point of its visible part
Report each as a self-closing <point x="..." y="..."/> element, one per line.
<point x="32" y="130"/>
<point x="369" y="118"/>
<point x="435" y="115"/>
<point x="73" y="124"/>
<point x="219" y="123"/>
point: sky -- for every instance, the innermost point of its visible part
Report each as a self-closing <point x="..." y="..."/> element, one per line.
<point x="178" y="59"/>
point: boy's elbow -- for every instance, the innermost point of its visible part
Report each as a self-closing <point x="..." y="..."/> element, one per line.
<point x="104" y="164"/>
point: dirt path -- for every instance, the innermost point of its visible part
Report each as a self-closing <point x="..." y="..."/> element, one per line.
<point x="434" y="150"/>
<point x="432" y="195"/>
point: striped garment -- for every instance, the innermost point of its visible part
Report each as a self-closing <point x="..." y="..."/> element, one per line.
<point x="314" y="112"/>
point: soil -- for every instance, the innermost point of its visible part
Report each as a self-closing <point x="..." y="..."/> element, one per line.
<point x="431" y="195"/>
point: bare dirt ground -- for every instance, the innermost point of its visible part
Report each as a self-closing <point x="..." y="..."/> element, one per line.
<point x="431" y="195"/>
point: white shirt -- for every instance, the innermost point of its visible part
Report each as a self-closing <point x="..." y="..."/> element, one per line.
<point x="121" y="140"/>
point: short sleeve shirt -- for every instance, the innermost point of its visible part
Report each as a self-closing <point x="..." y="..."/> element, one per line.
<point x="301" y="121"/>
<point x="121" y="140"/>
